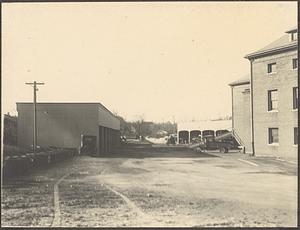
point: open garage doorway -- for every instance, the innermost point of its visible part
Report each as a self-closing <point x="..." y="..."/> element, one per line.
<point x="183" y="137"/>
<point x="109" y="140"/>
<point x="102" y="142"/>
<point x="206" y="133"/>
<point x="194" y="134"/>
<point x="221" y="132"/>
<point x="88" y="145"/>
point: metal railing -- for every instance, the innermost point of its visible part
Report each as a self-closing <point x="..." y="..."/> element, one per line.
<point x="237" y="137"/>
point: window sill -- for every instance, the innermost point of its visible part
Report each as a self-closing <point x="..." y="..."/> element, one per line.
<point x="294" y="110"/>
<point x="272" y="111"/>
<point x="295" y="146"/>
<point x="273" y="144"/>
<point x="273" y="73"/>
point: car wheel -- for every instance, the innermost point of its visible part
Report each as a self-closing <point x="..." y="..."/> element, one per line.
<point x="222" y="150"/>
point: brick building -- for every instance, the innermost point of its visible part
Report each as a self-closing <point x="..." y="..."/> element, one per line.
<point x="88" y="126"/>
<point x="241" y="126"/>
<point x="274" y="97"/>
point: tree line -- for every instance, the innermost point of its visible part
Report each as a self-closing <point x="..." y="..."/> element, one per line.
<point x="140" y="127"/>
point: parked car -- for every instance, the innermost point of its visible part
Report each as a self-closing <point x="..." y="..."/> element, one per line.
<point x="223" y="142"/>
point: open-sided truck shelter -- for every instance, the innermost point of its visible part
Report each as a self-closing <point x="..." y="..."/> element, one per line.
<point x="69" y="125"/>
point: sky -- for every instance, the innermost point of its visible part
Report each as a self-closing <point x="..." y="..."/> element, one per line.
<point x="163" y="61"/>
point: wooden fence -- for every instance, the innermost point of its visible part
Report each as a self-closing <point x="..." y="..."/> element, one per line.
<point x="19" y="164"/>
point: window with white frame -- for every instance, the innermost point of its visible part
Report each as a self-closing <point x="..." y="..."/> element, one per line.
<point x="272" y="67"/>
<point x="294" y="36"/>
<point x="273" y="136"/>
<point x="272" y="99"/>
<point x="246" y="91"/>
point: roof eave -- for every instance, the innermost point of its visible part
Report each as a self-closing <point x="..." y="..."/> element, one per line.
<point x="271" y="51"/>
<point x="292" y="30"/>
<point x="73" y="103"/>
<point x="239" y="83"/>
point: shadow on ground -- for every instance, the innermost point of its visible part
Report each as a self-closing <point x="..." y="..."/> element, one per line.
<point x="149" y="151"/>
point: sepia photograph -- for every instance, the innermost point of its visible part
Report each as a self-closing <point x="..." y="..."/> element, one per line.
<point x="149" y="114"/>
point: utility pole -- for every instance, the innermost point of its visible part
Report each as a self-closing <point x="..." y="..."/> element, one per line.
<point x="34" y="112"/>
<point x="174" y="127"/>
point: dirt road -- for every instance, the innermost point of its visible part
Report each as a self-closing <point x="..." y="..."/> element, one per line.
<point x="155" y="187"/>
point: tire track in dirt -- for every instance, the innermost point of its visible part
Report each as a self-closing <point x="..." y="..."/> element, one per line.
<point x="248" y="162"/>
<point x="141" y="216"/>
<point x="56" y="219"/>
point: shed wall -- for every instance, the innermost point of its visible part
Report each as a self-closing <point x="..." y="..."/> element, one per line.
<point x="241" y="114"/>
<point x="58" y="125"/>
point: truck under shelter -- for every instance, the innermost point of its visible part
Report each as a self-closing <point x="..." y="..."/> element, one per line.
<point x="189" y="130"/>
<point x="88" y="127"/>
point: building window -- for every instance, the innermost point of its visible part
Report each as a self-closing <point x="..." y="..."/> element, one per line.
<point x="295" y="98"/>
<point x="273" y="136"/>
<point x="295" y="63"/>
<point x="272" y="100"/>
<point x="272" y="67"/>
<point x="294" y="36"/>
<point x="246" y="91"/>
<point x="296" y="136"/>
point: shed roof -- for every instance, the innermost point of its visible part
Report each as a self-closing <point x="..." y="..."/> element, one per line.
<point x="70" y="103"/>
<point x="242" y="81"/>
<point x="292" y="29"/>
<point x="205" y="125"/>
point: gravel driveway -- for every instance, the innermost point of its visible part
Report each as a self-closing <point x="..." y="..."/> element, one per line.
<point x="155" y="187"/>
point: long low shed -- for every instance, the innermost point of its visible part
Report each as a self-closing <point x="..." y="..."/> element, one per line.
<point x="87" y="126"/>
<point x="188" y="130"/>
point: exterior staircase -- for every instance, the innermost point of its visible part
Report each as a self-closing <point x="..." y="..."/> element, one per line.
<point x="239" y="140"/>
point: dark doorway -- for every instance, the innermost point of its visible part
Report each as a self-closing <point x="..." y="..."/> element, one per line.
<point x="206" y="133"/>
<point x="88" y="145"/>
<point x="194" y="134"/>
<point x="183" y="137"/>
<point x="109" y="140"/>
<point x="101" y="140"/>
<point x="221" y="132"/>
